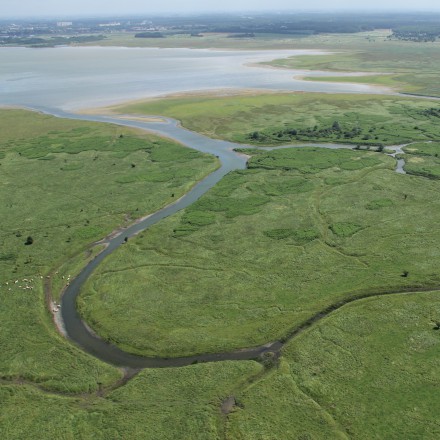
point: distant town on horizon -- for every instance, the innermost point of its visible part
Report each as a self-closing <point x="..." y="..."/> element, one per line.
<point x="46" y="32"/>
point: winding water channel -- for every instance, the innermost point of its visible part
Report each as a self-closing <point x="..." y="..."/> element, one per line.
<point x="69" y="78"/>
<point x="230" y="160"/>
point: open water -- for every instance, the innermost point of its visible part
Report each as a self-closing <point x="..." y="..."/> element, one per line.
<point x="72" y="78"/>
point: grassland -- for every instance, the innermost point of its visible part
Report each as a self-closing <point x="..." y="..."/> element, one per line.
<point x="208" y="41"/>
<point x="422" y="159"/>
<point x="48" y="387"/>
<point x="264" y="250"/>
<point x="274" y="119"/>
<point x="66" y="184"/>
<point x="258" y="254"/>
<point x="368" y="371"/>
<point x="179" y="403"/>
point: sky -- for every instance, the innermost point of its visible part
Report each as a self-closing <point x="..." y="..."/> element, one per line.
<point x="61" y="8"/>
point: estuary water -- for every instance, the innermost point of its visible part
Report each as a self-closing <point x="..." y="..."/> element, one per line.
<point x="72" y="78"/>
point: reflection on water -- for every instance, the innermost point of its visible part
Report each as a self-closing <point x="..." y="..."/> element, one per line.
<point x="79" y="77"/>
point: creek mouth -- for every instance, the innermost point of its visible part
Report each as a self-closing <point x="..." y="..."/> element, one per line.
<point x="78" y="331"/>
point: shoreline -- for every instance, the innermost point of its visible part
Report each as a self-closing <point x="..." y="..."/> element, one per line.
<point x="109" y="110"/>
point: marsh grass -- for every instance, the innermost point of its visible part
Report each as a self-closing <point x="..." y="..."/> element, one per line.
<point x="369" y="370"/>
<point x="423" y="159"/>
<point x="181" y="403"/>
<point x="274" y="119"/>
<point x="261" y="252"/>
<point x="222" y="281"/>
<point x="52" y="210"/>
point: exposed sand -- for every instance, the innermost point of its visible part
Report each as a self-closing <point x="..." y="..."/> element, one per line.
<point x="57" y="318"/>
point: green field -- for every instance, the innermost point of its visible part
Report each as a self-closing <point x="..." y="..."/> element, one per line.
<point x="181" y="403"/>
<point x="273" y="119"/>
<point x="266" y="249"/>
<point x="261" y="41"/>
<point x="297" y="232"/>
<point x="368" y="371"/>
<point x="422" y="159"/>
<point x="66" y="184"/>
<point x="208" y="41"/>
<point x="408" y="68"/>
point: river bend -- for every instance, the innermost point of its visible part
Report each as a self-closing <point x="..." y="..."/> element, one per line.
<point x="230" y="160"/>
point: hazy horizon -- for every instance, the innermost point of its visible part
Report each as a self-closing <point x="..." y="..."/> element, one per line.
<point x="96" y="8"/>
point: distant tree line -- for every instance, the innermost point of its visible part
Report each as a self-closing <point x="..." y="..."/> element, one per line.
<point x="405" y="26"/>
<point x="48" y="42"/>
<point x="420" y="33"/>
<point x="246" y="35"/>
<point x="306" y="28"/>
<point x="149" y="35"/>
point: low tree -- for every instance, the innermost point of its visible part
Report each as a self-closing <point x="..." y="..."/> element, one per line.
<point x="336" y="126"/>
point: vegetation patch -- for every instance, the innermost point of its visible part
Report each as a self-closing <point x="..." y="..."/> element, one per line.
<point x="284" y="185"/>
<point x="300" y="237"/>
<point x="345" y="229"/>
<point x="423" y="149"/>
<point x="198" y="218"/>
<point x="193" y="220"/>
<point x="426" y="166"/>
<point x="422" y="159"/>
<point x="230" y="206"/>
<point x="274" y="119"/>
<point x="379" y="203"/>
<point x="311" y="161"/>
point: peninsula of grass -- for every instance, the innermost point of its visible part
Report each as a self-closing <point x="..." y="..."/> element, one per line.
<point x="423" y="159"/>
<point x="63" y="185"/>
<point x="265" y="250"/>
<point x="278" y="119"/>
<point x="368" y="371"/>
<point x="409" y="67"/>
<point x="423" y="149"/>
